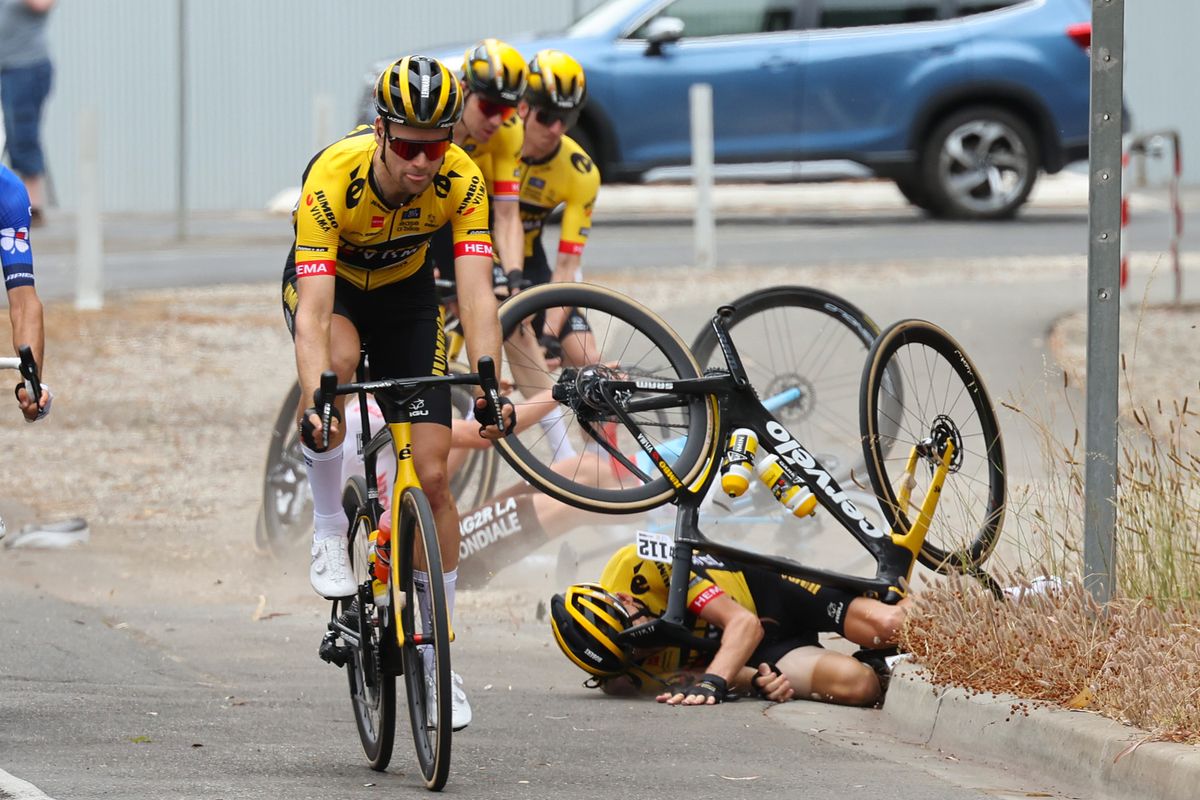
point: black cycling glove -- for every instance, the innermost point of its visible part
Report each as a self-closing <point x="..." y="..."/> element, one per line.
<point x="487" y="415"/>
<point x="710" y="685"/>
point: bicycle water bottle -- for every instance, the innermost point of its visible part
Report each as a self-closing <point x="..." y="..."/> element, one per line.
<point x="379" y="561"/>
<point x="738" y="462"/>
<point x="795" y="498"/>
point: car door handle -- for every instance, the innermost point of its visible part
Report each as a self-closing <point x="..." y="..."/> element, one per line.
<point x="777" y="64"/>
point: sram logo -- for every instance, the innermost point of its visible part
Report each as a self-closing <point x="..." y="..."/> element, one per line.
<point x="791" y="452"/>
<point x="645" y="384"/>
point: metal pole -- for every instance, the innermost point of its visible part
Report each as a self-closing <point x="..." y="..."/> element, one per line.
<point x="1104" y="264"/>
<point x="704" y="227"/>
<point x="89" y="237"/>
<point x="181" y="231"/>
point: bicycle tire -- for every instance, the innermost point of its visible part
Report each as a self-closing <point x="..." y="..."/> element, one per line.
<point x="286" y="517"/>
<point x="372" y="684"/>
<point x="631" y="340"/>
<point x="811" y="341"/>
<point x="431" y="728"/>
<point x="944" y="400"/>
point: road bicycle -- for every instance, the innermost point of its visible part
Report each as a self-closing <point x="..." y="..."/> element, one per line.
<point x="380" y="632"/>
<point x="812" y="387"/>
<point x="928" y="443"/>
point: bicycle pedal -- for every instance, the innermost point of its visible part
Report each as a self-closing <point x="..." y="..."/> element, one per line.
<point x="333" y="653"/>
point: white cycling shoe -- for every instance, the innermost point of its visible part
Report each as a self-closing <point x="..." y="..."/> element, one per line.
<point x="460" y="707"/>
<point x="330" y="573"/>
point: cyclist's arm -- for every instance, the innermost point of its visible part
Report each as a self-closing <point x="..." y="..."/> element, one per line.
<point x="314" y="319"/>
<point x="576" y="224"/>
<point x="507" y="231"/>
<point x="25" y="312"/>
<point x="741" y="632"/>
<point x="504" y="187"/>
<point x="465" y="432"/>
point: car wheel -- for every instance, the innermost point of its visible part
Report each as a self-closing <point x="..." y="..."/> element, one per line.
<point x="980" y="163"/>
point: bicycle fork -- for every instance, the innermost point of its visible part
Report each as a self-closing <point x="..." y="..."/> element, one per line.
<point x="914" y="537"/>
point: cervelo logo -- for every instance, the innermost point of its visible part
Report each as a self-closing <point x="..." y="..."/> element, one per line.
<point x="791" y="452"/>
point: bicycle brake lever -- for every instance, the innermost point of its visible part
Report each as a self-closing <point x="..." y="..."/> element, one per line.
<point x="323" y="402"/>
<point x="29" y="371"/>
<point x="491" y="389"/>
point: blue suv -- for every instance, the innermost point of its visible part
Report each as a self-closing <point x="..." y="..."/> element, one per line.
<point x="960" y="102"/>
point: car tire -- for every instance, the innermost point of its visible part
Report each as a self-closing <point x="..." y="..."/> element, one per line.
<point x="914" y="192"/>
<point x="979" y="163"/>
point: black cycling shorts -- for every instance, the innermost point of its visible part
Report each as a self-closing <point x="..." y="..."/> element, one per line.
<point x="401" y="326"/>
<point x="793" y="612"/>
<point x="537" y="272"/>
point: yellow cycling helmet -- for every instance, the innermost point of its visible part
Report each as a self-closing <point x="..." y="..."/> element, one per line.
<point x="587" y="620"/>
<point x="420" y="92"/>
<point x="556" y="81"/>
<point x="495" y="70"/>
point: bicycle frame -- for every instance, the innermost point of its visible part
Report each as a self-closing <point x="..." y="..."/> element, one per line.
<point x="895" y="552"/>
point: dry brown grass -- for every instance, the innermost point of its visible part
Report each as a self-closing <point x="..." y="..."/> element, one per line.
<point x="1137" y="659"/>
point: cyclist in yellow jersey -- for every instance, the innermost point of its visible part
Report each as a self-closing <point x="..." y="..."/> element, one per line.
<point x="555" y="170"/>
<point x="766" y="624"/>
<point x="359" y="273"/>
<point x="493" y="82"/>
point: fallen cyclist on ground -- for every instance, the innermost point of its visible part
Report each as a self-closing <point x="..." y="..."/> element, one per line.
<point x="762" y="628"/>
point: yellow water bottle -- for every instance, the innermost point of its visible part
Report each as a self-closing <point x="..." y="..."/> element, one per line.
<point x="795" y="498"/>
<point x="737" y="465"/>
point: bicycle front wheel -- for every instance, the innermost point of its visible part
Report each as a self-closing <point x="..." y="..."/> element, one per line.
<point x="286" y="517"/>
<point x="372" y="684"/>
<point x="944" y="406"/>
<point x="580" y="452"/>
<point x="803" y="350"/>
<point x="425" y="627"/>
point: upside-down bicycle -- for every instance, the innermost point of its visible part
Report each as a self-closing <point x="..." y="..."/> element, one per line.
<point x="929" y="444"/>
<point x="381" y="632"/>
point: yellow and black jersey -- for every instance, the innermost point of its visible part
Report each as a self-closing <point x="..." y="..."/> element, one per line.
<point x="344" y="228"/>
<point x="648" y="581"/>
<point x="567" y="176"/>
<point x="499" y="159"/>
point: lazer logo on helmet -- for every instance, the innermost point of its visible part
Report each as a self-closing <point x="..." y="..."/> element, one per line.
<point x="791" y="452"/>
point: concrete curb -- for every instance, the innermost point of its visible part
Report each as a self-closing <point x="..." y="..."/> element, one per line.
<point x="1079" y="748"/>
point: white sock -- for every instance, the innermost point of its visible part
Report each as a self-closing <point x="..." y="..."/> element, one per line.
<point x="425" y="605"/>
<point x="557" y="436"/>
<point x="325" y="478"/>
<point x="450" y="579"/>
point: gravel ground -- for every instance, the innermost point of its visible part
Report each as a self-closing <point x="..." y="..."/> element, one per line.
<point x="165" y="403"/>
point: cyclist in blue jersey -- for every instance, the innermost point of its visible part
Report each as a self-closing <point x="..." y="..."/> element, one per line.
<point x="24" y="307"/>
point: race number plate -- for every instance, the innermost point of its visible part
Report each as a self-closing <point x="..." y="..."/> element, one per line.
<point x="655" y="546"/>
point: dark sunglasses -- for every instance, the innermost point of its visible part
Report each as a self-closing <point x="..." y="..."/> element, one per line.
<point x="490" y="108"/>
<point x="409" y="149"/>
<point x="548" y="117"/>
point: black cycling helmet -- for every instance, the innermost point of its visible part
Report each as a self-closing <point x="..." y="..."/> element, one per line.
<point x="587" y="620"/>
<point x="420" y="92"/>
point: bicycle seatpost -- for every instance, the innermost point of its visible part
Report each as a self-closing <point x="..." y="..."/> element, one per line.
<point x="720" y="324"/>
<point x="29" y="371"/>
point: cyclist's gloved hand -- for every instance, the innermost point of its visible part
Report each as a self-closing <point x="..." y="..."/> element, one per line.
<point x="33" y="412"/>
<point x="551" y="349"/>
<point x="485" y="415"/>
<point x="709" y="690"/>
<point x="771" y="684"/>
<point x="310" y="427"/>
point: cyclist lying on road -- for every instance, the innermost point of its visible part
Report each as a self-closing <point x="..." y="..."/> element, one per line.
<point x="766" y="624"/>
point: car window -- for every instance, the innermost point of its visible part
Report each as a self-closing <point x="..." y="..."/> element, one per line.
<point x="965" y="8"/>
<point x="726" y="18"/>
<point x="856" y="13"/>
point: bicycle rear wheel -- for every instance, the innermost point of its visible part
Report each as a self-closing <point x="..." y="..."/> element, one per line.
<point x="426" y="675"/>
<point x="584" y="455"/>
<point x="803" y="350"/>
<point x="944" y="402"/>
<point x="474" y="481"/>
<point x="372" y="683"/>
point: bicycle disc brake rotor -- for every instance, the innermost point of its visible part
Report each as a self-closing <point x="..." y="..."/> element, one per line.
<point x="579" y="389"/>
<point x="795" y="410"/>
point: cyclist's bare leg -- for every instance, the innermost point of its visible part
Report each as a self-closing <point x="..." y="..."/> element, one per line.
<point x="829" y="677"/>
<point x="580" y="349"/>
<point x="873" y="624"/>
<point x="431" y="449"/>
